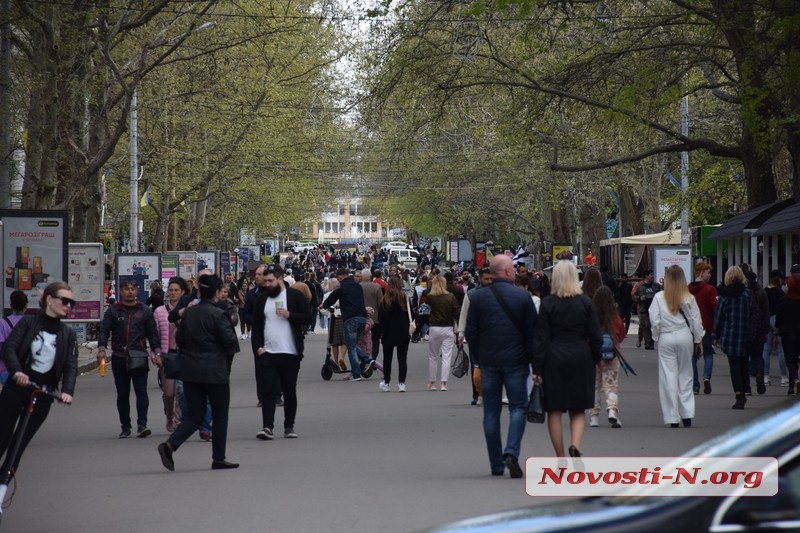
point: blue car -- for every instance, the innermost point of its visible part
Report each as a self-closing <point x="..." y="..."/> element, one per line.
<point x="775" y="433"/>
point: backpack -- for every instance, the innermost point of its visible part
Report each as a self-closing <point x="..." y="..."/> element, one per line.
<point x="3" y="368"/>
<point x="607" y="350"/>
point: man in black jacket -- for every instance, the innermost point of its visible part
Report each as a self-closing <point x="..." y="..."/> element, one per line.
<point x="131" y="325"/>
<point x="279" y="315"/>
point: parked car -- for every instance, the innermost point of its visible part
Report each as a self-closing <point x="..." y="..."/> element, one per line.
<point x="304" y="247"/>
<point x="394" y="245"/>
<point x="775" y="433"/>
<point x="407" y="258"/>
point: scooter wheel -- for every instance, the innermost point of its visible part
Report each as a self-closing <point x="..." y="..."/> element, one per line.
<point x="327" y="372"/>
<point x="366" y="374"/>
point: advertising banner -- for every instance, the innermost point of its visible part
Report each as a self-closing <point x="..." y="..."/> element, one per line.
<point x="208" y="260"/>
<point x="34" y="252"/>
<point x="665" y="257"/>
<point x="187" y="264"/>
<point x="169" y="268"/>
<point x="143" y="268"/>
<point x="225" y="264"/>
<point x="86" y="272"/>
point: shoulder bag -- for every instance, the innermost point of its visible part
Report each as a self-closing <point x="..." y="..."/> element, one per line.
<point x="137" y="361"/>
<point x="173" y="361"/>
<point x="412" y="326"/>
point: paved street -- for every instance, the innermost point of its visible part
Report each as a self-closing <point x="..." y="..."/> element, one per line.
<point x="365" y="461"/>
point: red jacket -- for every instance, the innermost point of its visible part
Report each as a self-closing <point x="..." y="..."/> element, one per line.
<point x="706" y="296"/>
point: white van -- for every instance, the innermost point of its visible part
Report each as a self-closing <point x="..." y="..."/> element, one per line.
<point x="407" y="258"/>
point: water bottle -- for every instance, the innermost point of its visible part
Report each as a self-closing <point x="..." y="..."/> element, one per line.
<point x="103" y="368"/>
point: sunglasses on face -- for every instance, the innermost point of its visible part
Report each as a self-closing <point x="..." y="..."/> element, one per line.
<point x="65" y="300"/>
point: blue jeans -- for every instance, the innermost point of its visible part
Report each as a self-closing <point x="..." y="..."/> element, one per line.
<point x="123" y="380"/>
<point x="768" y="349"/>
<point x="708" y="360"/>
<point x="354" y="328"/>
<point x="514" y="379"/>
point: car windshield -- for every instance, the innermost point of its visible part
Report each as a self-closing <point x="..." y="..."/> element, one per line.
<point x="764" y="436"/>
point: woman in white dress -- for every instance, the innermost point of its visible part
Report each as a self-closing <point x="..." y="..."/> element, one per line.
<point x="677" y="327"/>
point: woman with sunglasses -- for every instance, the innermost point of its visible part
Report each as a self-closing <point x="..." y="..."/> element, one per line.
<point x="43" y="350"/>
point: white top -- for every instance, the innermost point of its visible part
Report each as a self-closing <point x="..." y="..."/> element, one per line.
<point x="43" y="349"/>
<point x="662" y="321"/>
<point x="278" y="336"/>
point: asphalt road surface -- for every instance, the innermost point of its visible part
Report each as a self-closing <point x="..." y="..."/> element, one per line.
<point x="366" y="461"/>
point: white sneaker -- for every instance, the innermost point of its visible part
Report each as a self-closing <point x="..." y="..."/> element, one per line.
<point x="480" y="400"/>
<point x="384" y="386"/>
<point x="613" y="418"/>
<point x="784" y="381"/>
<point x="401" y="387"/>
<point x="767" y="381"/>
<point x="594" y="421"/>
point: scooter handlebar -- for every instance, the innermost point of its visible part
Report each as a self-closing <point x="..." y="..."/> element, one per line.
<point x="35" y="388"/>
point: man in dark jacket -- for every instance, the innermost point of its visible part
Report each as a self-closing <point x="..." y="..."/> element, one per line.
<point x="500" y="325"/>
<point x="350" y="296"/>
<point x="279" y="316"/>
<point x="130" y="325"/>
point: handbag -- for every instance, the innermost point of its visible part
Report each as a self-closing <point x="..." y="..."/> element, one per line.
<point x="424" y="309"/>
<point x="173" y="362"/>
<point x="137" y="361"/>
<point x="460" y="366"/>
<point x="535" y="412"/>
<point x="412" y="326"/>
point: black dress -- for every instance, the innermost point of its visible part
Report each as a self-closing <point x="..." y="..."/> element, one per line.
<point x="566" y="348"/>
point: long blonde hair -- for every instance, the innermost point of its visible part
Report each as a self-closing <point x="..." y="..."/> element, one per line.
<point x="675" y="289"/>
<point x="438" y="286"/>
<point x="565" y="280"/>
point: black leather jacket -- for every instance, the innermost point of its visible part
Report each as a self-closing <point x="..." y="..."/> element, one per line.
<point x="17" y="351"/>
<point x="128" y="326"/>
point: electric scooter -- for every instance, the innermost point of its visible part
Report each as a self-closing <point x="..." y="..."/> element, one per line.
<point x="37" y="393"/>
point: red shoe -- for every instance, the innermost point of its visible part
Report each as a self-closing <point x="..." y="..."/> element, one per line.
<point x="205" y="435"/>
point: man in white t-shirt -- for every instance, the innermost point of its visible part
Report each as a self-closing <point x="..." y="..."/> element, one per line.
<point x="279" y="315"/>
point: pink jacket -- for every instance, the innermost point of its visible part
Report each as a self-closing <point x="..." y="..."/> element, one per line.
<point x="165" y="333"/>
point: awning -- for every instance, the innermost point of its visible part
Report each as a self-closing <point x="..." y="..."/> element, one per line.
<point x="786" y="221"/>
<point x="664" y="237"/>
<point x="751" y="219"/>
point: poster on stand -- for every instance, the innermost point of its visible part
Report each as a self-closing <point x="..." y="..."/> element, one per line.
<point x="34" y="252"/>
<point x="86" y="273"/>
<point x="208" y="260"/>
<point x="143" y="268"/>
<point x="169" y="268"/>
<point x="665" y="257"/>
<point x="225" y="264"/>
<point x="187" y="264"/>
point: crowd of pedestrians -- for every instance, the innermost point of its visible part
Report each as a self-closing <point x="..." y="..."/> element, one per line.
<point x="518" y="327"/>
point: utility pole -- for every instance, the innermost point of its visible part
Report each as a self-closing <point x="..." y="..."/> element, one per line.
<point x="6" y="159"/>
<point x="134" y="147"/>
<point x="686" y="235"/>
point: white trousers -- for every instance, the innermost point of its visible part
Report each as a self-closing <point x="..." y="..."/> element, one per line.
<point x="440" y="342"/>
<point x="675" y="377"/>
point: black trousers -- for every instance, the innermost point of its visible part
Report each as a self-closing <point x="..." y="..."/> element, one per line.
<point x="402" y="360"/>
<point x="791" y="349"/>
<point x="279" y="374"/>
<point x="14" y="401"/>
<point x="197" y="394"/>
<point x="740" y="375"/>
<point x="377" y="332"/>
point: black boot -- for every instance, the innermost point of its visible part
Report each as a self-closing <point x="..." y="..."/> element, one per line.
<point x="740" y="401"/>
<point x="761" y="388"/>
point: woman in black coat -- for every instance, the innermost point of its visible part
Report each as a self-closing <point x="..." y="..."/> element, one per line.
<point x="395" y="316"/>
<point x="566" y="347"/>
<point x="43" y="350"/>
<point x="207" y="339"/>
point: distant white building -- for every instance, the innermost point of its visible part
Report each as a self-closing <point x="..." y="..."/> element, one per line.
<point x="349" y="222"/>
